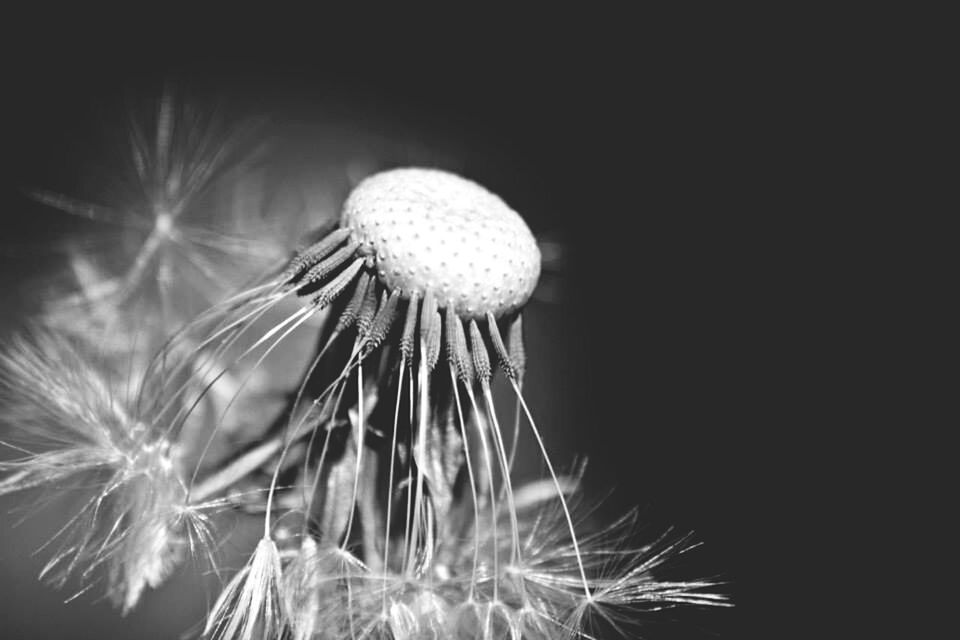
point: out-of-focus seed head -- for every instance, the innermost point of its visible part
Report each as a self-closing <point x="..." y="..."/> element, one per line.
<point x="93" y="444"/>
<point x="429" y="230"/>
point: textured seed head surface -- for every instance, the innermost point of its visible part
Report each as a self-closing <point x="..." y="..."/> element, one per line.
<point x="430" y="230"/>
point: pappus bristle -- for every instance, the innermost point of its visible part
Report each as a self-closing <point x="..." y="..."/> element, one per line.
<point x="325" y="591"/>
<point x="625" y="583"/>
<point x="163" y="229"/>
<point x="55" y="399"/>
<point x="77" y="436"/>
<point x="301" y="590"/>
<point x="250" y="605"/>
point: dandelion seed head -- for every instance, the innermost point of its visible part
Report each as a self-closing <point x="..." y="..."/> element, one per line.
<point x="430" y="230"/>
<point x="399" y="465"/>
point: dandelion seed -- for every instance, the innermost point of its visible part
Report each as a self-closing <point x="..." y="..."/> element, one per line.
<point x="302" y="590"/>
<point x="134" y="520"/>
<point x="250" y="605"/>
<point x="167" y="238"/>
<point x="164" y="223"/>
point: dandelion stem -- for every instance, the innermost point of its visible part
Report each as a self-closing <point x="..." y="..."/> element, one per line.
<point x="507" y="483"/>
<point x="424" y="410"/>
<point x="473" y="485"/>
<point x="393" y="457"/>
<point x="556" y="482"/>
<point x="488" y="464"/>
<point x="359" y="440"/>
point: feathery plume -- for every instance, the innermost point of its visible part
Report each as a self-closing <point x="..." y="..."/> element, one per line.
<point x="250" y="605"/>
<point x="134" y="515"/>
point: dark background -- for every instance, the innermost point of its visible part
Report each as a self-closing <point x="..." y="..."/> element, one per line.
<point x="663" y="154"/>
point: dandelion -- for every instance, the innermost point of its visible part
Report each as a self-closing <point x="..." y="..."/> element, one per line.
<point x="172" y="237"/>
<point x="166" y="246"/>
<point x="398" y="463"/>
<point x="385" y="483"/>
<point x="134" y="520"/>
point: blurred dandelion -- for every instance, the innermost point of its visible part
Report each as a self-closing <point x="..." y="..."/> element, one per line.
<point x="133" y="518"/>
<point x="384" y="476"/>
<point x="174" y="232"/>
<point x="167" y="239"/>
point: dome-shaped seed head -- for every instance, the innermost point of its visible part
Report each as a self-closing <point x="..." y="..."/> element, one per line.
<point x="429" y="230"/>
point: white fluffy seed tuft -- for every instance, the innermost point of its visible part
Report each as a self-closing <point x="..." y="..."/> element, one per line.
<point x="429" y="230"/>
